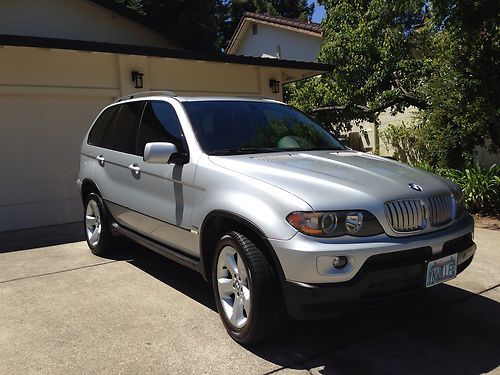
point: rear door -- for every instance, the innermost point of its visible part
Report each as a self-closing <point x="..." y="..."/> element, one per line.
<point x="115" y="158"/>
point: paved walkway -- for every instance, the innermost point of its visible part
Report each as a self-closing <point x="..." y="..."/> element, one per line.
<point x="66" y="311"/>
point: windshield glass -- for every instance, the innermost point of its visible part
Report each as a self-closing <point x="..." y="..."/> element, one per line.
<point x="232" y="127"/>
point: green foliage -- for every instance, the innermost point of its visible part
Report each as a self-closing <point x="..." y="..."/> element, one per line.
<point x="441" y="56"/>
<point x="406" y="140"/>
<point x="480" y="186"/>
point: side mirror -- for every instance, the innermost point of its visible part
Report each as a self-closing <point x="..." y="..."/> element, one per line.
<point x="158" y="152"/>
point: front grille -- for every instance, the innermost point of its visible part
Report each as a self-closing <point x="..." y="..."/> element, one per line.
<point x="440" y="209"/>
<point x="406" y="215"/>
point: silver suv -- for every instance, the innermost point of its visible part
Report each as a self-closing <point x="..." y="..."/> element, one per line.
<point x="274" y="211"/>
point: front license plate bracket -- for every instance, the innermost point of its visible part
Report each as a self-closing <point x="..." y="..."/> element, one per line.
<point x="441" y="270"/>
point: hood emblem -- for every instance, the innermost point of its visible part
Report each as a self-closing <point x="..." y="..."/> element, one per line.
<point x="415" y="187"/>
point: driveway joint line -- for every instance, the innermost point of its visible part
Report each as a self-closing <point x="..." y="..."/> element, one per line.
<point x="401" y="323"/>
<point x="57" y="272"/>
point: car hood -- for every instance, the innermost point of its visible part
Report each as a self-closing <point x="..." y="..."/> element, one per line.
<point x="339" y="180"/>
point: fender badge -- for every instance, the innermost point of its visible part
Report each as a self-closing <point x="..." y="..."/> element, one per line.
<point x="415" y="187"/>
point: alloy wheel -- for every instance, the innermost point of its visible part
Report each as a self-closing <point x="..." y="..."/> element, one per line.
<point x="93" y="224"/>
<point x="233" y="287"/>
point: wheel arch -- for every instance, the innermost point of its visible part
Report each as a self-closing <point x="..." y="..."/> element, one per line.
<point x="88" y="186"/>
<point x="219" y="222"/>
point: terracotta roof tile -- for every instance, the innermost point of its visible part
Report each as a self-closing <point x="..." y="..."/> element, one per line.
<point x="309" y="26"/>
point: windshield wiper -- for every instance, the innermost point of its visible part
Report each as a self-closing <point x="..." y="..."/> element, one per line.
<point x="244" y="150"/>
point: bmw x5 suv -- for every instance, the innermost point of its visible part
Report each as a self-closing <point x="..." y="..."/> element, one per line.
<point x="280" y="216"/>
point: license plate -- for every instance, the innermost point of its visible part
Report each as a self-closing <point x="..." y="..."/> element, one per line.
<point x="441" y="270"/>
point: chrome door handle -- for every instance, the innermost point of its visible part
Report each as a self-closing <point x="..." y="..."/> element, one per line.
<point x="134" y="167"/>
<point x="100" y="160"/>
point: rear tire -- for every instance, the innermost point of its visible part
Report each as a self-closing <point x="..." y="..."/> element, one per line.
<point x="247" y="290"/>
<point x="96" y="225"/>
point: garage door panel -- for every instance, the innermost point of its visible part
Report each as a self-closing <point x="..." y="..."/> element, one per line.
<point x="40" y="214"/>
<point x="39" y="192"/>
<point x="40" y="138"/>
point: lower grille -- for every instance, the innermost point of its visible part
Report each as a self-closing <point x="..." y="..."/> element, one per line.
<point x="406" y="215"/>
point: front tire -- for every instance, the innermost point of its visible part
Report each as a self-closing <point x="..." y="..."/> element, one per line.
<point x="247" y="290"/>
<point x="97" y="230"/>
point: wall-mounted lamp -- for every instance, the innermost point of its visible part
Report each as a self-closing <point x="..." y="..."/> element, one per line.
<point x="137" y="79"/>
<point x="274" y="85"/>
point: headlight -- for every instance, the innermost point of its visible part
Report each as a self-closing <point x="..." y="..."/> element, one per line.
<point x="335" y="223"/>
<point x="458" y="195"/>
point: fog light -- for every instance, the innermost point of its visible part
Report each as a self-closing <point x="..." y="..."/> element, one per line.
<point x="339" y="262"/>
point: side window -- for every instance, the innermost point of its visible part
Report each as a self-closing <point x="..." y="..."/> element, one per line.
<point x="101" y="126"/>
<point x="159" y="124"/>
<point x="123" y="134"/>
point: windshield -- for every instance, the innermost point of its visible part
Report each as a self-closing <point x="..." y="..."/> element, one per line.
<point x="232" y="127"/>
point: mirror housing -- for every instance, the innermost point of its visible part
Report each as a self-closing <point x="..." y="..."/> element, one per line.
<point x="159" y="152"/>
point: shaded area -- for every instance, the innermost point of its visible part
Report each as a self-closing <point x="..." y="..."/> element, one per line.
<point x="183" y="279"/>
<point x="444" y="329"/>
<point x="33" y="238"/>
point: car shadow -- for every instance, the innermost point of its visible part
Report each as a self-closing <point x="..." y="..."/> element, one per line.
<point x="25" y="239"/>
<point x="185" y="280"/>
<point x="442" y="330"/>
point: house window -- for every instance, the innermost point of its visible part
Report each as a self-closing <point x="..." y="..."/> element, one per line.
<point x="254" y="28"/>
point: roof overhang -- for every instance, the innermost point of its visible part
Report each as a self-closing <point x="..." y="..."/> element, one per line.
<point x="250" y="18"/>
<point x="291" y="70"/>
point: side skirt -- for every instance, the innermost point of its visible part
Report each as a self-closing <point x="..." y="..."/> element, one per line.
<point x="166" y="251"/>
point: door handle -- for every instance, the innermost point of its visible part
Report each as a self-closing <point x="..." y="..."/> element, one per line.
<point x="100" y="160"/>
<point x="134" y="168"/>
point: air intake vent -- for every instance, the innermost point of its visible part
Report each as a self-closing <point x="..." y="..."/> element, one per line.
<point x="440" y="209"/>
<point x="277" y="157"/>
<point x="406" y="215"/>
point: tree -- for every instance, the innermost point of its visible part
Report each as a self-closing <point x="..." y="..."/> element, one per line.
<point x="440" y="56"/>
<point x="193" y="23"/>
<point x="209" y="24"/>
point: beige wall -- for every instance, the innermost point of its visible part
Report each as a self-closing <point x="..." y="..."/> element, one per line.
<point x="271" y="40"/>
<point x="49" y="98"/>
<point x="74" y="19"/>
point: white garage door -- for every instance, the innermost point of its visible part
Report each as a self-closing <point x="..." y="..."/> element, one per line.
<point x="40" y="138"/>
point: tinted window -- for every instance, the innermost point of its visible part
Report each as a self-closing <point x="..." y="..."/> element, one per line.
<point x="245" y="126"/>
<point x="123" y="134"/>
<point x="102" y="125"/>
<point x="159" y="124"/>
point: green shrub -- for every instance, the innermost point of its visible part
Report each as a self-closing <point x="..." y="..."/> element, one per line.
<point x="481" y="186"/>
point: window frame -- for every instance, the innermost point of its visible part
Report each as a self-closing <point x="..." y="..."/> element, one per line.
<point x="183" y="142"/>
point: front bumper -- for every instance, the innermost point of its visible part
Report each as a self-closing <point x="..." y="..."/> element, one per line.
<point x="381" y="276"/>
<point x="377" y="269"/>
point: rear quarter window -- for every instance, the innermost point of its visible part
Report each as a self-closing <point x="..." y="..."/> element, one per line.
<point x="101" y="126"/>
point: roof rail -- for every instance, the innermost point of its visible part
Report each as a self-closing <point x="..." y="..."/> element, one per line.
<point x="146" y="93"/>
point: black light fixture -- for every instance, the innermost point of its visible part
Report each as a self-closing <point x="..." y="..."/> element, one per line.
<point x="274" y="85"/>
<point x="137" y="79"/>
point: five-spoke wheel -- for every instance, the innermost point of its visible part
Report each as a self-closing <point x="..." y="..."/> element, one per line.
<point x="247" y="290"/>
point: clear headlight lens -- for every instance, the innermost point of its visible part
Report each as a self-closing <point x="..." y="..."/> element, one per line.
<point x="335" y="223"/>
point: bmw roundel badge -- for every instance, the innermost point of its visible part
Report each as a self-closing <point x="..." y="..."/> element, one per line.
<point x="415" y="186"/>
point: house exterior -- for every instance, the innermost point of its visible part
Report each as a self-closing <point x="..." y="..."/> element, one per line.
<point x="62" y="62"/>
<point x="262" y="35"/>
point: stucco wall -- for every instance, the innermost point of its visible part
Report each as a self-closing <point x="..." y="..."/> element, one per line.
<point x="293" y="45"/>
<point x="49" y="98"/>
<point x="73" y="19"/>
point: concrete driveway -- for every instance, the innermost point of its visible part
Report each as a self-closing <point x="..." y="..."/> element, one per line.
<point x="64" y="310"/>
